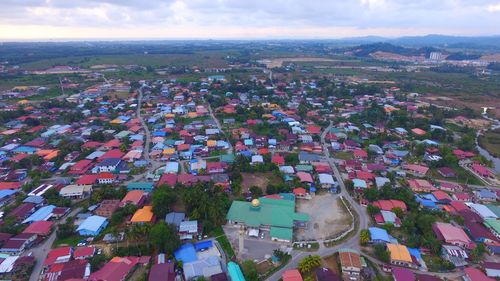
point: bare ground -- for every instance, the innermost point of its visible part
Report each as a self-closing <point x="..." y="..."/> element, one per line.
<point x="327" y="217"/>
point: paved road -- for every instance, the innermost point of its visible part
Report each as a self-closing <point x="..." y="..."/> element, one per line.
<point x="352" y="243"/>
<point x="230" y="150"/>
<point x="40" y="251"/>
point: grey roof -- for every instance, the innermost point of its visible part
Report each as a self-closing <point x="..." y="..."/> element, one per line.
<point x="175" y="218"/>
<point x="308" y="157"/>
<point x="34" y="199"/>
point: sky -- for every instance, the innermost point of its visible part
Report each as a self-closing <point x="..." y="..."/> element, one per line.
<point x="243" y="19"/>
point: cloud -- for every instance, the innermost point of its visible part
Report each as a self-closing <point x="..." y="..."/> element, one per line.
<point x="223" y="18"/>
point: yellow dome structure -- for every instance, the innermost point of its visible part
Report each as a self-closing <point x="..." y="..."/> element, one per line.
<point x="255" y="203"/>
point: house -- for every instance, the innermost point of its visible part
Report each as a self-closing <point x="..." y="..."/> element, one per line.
<point x="135" y="197"/>
<point x="84" y="252"/>
<point x="419" y="185"/>
<point x="452" y="235"/>
<point x="447" y="172"/>
<point x="106" y="178"/>
<point x="18" y="243"/>
<point x="257" y="159"/>
<point x="41" y="228"/>
<point x="110" y="165"/>
<point x="492" y="269"/>
<point x="58" y="255"/>
<point x="70" y="270"/>
<point x="378" y="235"/>
<point x="482" y="171"/>
<point x="143" y="186"/>
<point x="454" y="254"/>
<point x="175" y="219"/>
<point x="308" y="158"/>
<point x="326" y="181"/>
<point x="399" y="255"/>
<point x="387" y="217"/>
<point x="403" y="274"/>
<point x="486" y="195"/>
<point x="143" y="215"/>
<point x="107" y="208"/>
<point x="278" y="160"/>
<point x="118" y="268"/>
<point x="92" y="226"/>
<point x="474" y="274"/>
<point x="76" y="191"/>
<point x="291" y="275"/>
<point x="188" y="229"/>
<point x="350" y="263"/>
<point x="164" y="271"/>
<point x="388" y="205"/>
<point x="216" y="167"/>
<point x="416" y="170"/>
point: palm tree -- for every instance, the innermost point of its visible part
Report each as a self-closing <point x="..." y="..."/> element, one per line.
<point x="364" y="237"/>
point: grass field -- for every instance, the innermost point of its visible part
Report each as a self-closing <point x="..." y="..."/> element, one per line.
<point x="70" y="241"/>
<point x="201" y="59"/>
<point x="490" y="141"/>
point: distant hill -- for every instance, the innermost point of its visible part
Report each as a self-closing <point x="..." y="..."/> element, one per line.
<point x="367" y="49"/>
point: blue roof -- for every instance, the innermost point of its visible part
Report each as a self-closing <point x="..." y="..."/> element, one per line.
<point x="377" y="233"/>
<point x="203" y="245"/>
<point x="415" y="252"/>
<point x="7" y="192"/>
<point x="92" y="223"/>
<point x="43" y="213"/>
<point x="25" y="149"/>
<point x="186" y="253"/>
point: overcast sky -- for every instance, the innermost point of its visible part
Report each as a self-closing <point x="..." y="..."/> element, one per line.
<point x="244" y="19"/>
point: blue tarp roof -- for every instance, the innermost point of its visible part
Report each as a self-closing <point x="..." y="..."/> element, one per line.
<point x="186" y="253"/>
<point x="203" y="245"/>
<point x="415" y="252"/>
<point x="41" y="214"/>
<point x="377" y="233"/>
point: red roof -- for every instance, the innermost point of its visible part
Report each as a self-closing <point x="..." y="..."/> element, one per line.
<point x="81" y="166"/>
<point x="475" y="274"/>
<point x="278" y="159"/>
<point x="441" y="195"/>
<point x="114" y="153"/>
<point x="54" y="254"/>
<point x="112" y="143"/>
<point x="360" y="153"/>
<point x="299" y="191"/>
<point x="292" y="275"/>
<point x="169" y="179"/>
<point x="106" y="176"/>
<point x="83" y="252"/>
<point x="365" y="175"/>
<point x="481" y="170"/>
<point x="9" y="185"/>
<point x="388" y="205"/>
<point x="86" y="179"/>
<point x="39" y="227"/>
<point x="115" y="270"/>
<point x="19" y="157"/>
<point x="91" y="144"/>
<point x="313" y="129"/>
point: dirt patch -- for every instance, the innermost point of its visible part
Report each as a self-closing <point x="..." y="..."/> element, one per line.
<point x="264" y="266"/>
<point x="476" y="102"/>
<point x="261" y="180"/>
<point x="331" y="263"/>
<point x="327" y="217"/>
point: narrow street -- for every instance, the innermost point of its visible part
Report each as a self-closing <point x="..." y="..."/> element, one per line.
<point x="41" y="250"/>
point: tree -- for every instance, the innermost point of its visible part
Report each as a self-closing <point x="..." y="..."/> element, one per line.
<point x="372" y="210"/>
<point x="381" y="253"/>
<point x="364" y="237"/>
<point x="164" y="237"/>
<point x="477" y="253"/>
<point x="163" y="197"/>
<point x="256" y="191"/>
<point x="66" y="229"/>
<point x="309" y="263"/>
<point x="250" y="270"/>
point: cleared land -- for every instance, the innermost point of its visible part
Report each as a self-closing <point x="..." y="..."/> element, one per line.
<point x="260" y="180"/>
<point x="490" y="141"/>
<point x="278" y="62"/>
<point x="327" y="217"/>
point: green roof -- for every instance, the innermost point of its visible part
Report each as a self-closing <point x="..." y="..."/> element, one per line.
<point x="235" y="272"/>
<point x="228" y="158"/>
<point x="281" y="233"/>
<point x="304" y="168"/>
<point x="272" y="212"/>
<point x="495" y="209"/>
<point x="493" y="224"/>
